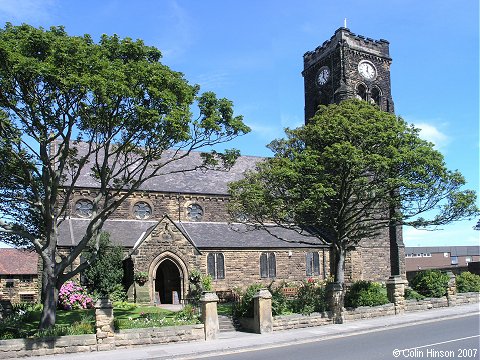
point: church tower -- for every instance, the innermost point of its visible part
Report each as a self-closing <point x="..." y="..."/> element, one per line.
<point x="345" y="67"/>
<point x="352" y="66"/>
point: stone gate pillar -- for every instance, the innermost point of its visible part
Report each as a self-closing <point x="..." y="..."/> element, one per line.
<point x="104" y="328"/>
<point x="396" y="292"/>
<point x="452" y="289"/>
<point x="262" y="312"/>
<point x="208" y="302"/>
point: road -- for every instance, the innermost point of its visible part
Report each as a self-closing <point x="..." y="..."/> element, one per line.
<point x="454" y="338"/>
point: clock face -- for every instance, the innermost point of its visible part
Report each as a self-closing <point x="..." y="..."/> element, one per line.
<point x="323" y="75"/>
<point x="367" y="70"/>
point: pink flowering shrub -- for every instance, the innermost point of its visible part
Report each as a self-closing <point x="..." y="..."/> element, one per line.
<point x="73" y="296"/>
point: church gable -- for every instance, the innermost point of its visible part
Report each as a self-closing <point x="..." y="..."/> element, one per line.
<point x="165" y="236"/>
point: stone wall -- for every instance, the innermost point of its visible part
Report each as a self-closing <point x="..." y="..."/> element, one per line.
<point x="432" y="303"/>
<point x="24" y="288"/>
<point x="87" y="343"/>
<point x="59" y="345"/>
<point x="165" y="241"/>
<point x="175" y="205"/>
<point x="426" y="304"/>
<point x="135" y="337"/>
<point x="242" y="267"/>
<point x="367" y="312"/>
<point x="297" y="321"/>
<point x="468" y="298"/>
<point x="370" y="260"/>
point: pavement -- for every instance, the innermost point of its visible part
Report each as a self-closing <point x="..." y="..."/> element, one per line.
<point x="234" y="342"/>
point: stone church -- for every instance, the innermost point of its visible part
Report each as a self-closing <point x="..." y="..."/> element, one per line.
<point x="178" y="223"/>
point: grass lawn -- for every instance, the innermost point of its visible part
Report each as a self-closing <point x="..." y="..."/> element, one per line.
<point x="74" y="322"/>
<point x="141" y="311"/>
<point x="225" y="308"/>
<point x="27" y="325"/>
<point x="151" y="316"/>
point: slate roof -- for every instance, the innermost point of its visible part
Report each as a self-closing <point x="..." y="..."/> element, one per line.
<point x="453" y="250"/>
<point x="122" y="232"/>
<point x="200" y="181"/>
<point x="210" y="235"/>
<point x="18" y="262"/>
<point x="204" y="235"/>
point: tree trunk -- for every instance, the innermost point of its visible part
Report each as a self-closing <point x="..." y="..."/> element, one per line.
<point x="49" y="298"/>
<point x="339" y="276"/>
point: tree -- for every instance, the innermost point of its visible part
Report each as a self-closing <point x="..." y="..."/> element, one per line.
<point x="340" y="176"/>
<point x="105" y="274"/>
<point x="109" y="109"/>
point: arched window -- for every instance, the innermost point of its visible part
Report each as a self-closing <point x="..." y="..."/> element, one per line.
<point x="361" y="92"/>
<point x="312" y="264"/>
<point x="216" y="265"/>
<point x="376" y="96"/>
<point x="268" y="265"/>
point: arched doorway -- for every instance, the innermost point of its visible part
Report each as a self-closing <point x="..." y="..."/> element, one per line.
<point x="168" y="283"/>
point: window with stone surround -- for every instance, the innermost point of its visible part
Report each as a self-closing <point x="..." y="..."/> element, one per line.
<point x="216" y="265"/>
<point x="27" y="298"/>
<point x="194" y="212"/>
<point x="268" y="265"/>
<point x="312" y="263"/>
<point x="376" y="96"/>
<point x="9" y="282"/>
<point x="84" y="208"/>
<point x="26" y="278"/>
<point x="142" y="210"/>
<point x="361" y="92"/>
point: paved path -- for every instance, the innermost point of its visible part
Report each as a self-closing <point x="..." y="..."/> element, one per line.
<point x="240" y="341"/>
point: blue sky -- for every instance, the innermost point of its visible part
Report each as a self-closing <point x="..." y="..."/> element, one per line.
<point x="251" y="52"/>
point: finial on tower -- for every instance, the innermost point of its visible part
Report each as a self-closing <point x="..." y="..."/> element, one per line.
<point x="345" y="23"/>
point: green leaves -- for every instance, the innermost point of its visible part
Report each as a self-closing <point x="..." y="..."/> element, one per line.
<point x="343" y="172"/>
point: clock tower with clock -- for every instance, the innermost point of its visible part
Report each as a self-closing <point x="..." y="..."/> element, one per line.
<point x="344" y="67"/>
<point x="352" y="66"/>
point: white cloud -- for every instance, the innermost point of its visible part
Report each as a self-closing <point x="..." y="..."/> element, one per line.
<point x="212" y="81"/>
<point x="179" y="23"/>
<point x="26" y="10"/>
<point x="265" y="132"/>
<point x="433" y="134"/>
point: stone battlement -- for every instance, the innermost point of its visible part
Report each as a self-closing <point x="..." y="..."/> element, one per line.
<point x="353" y="41"/>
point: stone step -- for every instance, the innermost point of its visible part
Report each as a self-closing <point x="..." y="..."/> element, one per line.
<point x="226" y="324"/>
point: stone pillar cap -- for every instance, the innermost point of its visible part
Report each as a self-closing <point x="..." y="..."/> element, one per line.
<point x="209" y="296"/>
<point x="103" y="303"/>
<point x="263" y="294"/>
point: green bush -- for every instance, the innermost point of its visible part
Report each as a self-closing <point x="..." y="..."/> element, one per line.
<point x="280" y="303"/>
<point x="311" y="297"/>
<point x="411" y="294"/>
<point x="244" y="308"/>
<point x="123" y="305"/>
<point x="198" y="284"/>
<point x="187" y="314"/>
<point x="430" y="283"/>
<point x="468" y="282"/>
<point x="207" y="283"/>
<point x="366" y="293"/>
<point x="117" y="293"/>
<point x="105" y="274"/>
